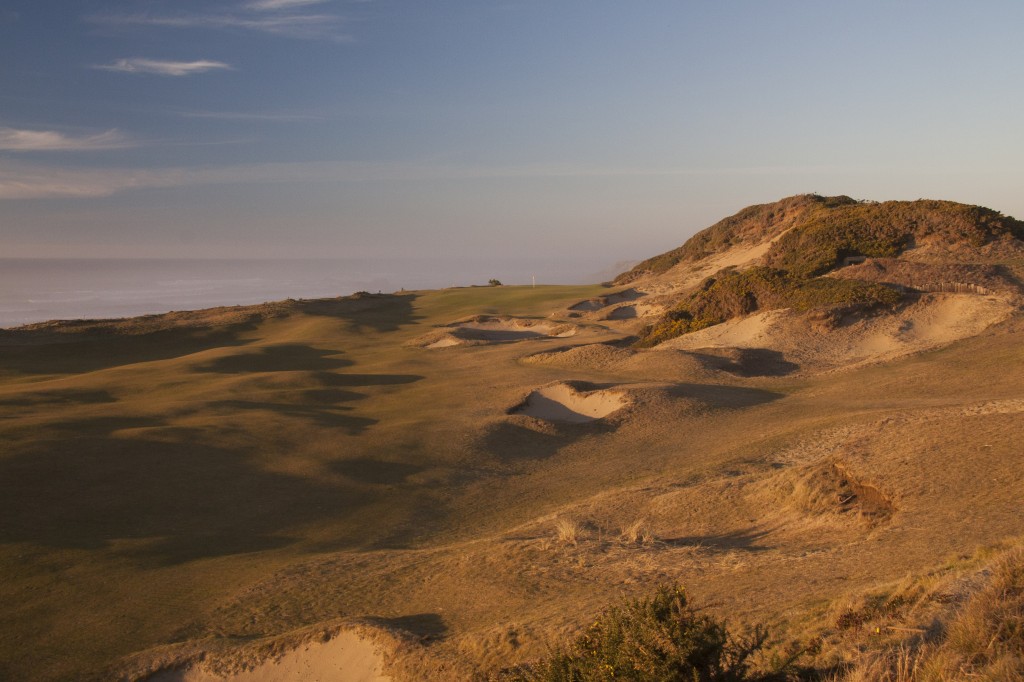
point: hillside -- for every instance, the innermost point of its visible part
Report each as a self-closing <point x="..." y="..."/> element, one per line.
<point x="442" y="485"/>
<point x="835" y="259"/>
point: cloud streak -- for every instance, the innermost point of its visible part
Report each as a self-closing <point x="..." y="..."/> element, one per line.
<point x="18" y="140"/>
<point x="274" y="5"/>
<point x="305" y="26"/>
<point x="161" y="67"/>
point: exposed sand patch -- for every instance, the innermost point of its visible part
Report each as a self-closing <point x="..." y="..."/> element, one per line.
<point x="346" y="656"/>
<point x="691" y="273"/>
<point x="562" y="402"/>
<point x="932" y="321"/>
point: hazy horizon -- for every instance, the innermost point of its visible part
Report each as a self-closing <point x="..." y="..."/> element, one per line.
<point x="387" y="128"/>
<point x="42" y="289"/>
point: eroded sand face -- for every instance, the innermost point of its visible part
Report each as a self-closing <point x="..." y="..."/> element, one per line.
<point x="346" y="656"/>
<point x="933" y="321"/>
<point x="561" y="402"/>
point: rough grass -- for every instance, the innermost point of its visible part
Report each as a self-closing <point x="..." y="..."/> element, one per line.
<point x="942" y="633"/>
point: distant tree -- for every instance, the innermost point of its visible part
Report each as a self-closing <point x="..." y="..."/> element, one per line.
<point x="494" y="282"/>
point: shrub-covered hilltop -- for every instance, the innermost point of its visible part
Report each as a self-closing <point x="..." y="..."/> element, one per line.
<point x="805" y="238"/>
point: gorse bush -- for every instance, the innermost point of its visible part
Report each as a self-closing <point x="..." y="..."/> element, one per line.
<point x="658" y="639"/>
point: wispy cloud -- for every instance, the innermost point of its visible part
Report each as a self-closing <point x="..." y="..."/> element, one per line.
<point x="273" y="5"/>
<point x="251" y="116"/>
<point x="291" y="25"/>
<point x="162" y="68"/>
<point x="22" y="180"/>
<point x="16" y="140"/>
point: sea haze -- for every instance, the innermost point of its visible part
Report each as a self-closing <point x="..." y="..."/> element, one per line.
<point x="36" y="290"/>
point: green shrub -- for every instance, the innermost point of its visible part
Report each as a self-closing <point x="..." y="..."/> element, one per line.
<point x="659" y="639"/>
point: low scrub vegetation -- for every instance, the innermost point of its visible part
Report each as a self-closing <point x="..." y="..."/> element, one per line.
<point x="661" y="638"/>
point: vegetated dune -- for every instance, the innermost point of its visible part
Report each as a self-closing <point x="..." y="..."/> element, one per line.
<point x="176" y="490"/>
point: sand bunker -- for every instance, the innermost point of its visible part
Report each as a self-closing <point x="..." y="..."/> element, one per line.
<point x="932" y="321"/>
<point x="346" y="656"/>
<point x="483" y="329"/>
<point x="564" y="403"/>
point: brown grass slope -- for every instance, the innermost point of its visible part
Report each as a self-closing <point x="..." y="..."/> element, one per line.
<point x="222" y="485"/>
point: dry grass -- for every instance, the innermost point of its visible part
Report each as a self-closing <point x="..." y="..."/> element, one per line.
<point x="568" y="531"/>
<point x="981" y="639"/>
<point x="637" y="533"/>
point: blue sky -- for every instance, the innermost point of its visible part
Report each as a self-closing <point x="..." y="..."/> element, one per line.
<point x="601" y="130"/>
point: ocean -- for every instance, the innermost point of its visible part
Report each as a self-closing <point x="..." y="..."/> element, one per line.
<point x="36" y="290"/>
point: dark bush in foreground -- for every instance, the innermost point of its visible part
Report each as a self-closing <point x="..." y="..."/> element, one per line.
<point x="660" y="639"/>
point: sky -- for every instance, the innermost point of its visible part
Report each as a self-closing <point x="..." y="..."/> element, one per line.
<point x="601" y="131"/>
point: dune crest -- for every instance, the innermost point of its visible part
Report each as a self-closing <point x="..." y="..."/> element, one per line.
<point x="346" y="656"/>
